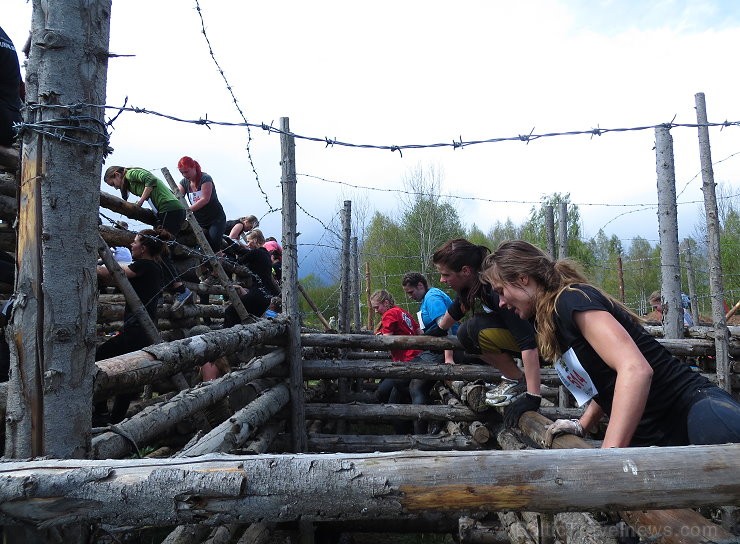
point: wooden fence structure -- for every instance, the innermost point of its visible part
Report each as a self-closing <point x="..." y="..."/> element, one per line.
<point x="258" y="450"/>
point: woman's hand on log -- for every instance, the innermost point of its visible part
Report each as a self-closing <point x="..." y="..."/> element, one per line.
<point x="522" y="403"/>
<point x="563" y="426"/>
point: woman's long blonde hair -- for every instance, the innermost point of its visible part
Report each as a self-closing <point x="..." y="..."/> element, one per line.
<point x="514" y="259"/>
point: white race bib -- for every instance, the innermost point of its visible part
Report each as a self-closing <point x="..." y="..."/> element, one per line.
<point x="575" y="378"/>
<point x="195" y="196"/>
<point x="420" y="320"/>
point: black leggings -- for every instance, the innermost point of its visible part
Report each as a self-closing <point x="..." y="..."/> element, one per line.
<point x="171" y="221"/>
<point x="255" y="302"/>
<point x="124" y="342"/>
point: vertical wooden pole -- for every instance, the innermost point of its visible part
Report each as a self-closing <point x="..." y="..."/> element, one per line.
<point x="620" y="278"/>
<point x="670" y="284"/>
<point x="53" y="324"/>
<point x="368" y="292"/>
<point x="49" y="407"/>
<point x="550" y="230"/>
<point x="290" y="290"/>
<point x="345" y="282"/>
<point x="356" y="316"/>
<point x="716" y="286"/>
<point x="691" y="280"/>
<point x="563" y="231"/>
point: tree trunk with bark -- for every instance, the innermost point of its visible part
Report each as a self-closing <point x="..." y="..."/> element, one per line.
<point x="315" y="487"/>
<point x="53" y="322"/>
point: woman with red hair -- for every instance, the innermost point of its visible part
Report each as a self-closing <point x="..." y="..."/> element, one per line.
<point x="200" y="191"/>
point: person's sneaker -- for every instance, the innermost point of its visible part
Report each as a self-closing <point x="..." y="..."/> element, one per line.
<point x="182" y="298"/>
<point x="503" y="393"/>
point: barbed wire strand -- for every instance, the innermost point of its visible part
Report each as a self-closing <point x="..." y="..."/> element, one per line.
<point x="236" y="103"/>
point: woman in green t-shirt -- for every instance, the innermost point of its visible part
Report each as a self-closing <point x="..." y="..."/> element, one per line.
<point x="169" y="210"/>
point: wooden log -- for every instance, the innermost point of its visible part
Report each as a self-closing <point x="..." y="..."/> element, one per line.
<point x="313" y="306"/>
<point x="256" y="533"/>
<point x="693" y="332"/>
<point x="379" y="342"/>
<point x="386" y="485"/>
<point x="265" y="437"/>
<point x="335" y="368"/>
<point x="533" y="425"/>
<point x="114" y="311"/>
<point x="342" y="443"/>
<point x="187" y="534"/>
<point x="130" y="210"/>
<point x="571" y="527"/>
<point x="156" y="420"/>
<point x="234" y="432"/>
<point x="514" y="527"/>
<point x="473" y="531"/>
<point x="479" y="432"/>
<point x="387" y="412"/>
<point x="680" y="347"/>
<point x="163" y="360"/>
<point x="582" y="528"/>
<point x="472" y="394"/>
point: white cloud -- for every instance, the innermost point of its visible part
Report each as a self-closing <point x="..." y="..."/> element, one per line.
<point x="396" y="73"/>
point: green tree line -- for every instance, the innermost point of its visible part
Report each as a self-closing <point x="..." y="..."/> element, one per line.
<point x="404" y="241"/>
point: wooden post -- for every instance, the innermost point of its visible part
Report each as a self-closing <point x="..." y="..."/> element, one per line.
<point x="563" y="231"/>
<point x="205" y="247"/>
<point x="313" y="306"/>
<point x="620" y="277"/>
<point x="345" y="282"/>
<point x="716" y="286"/>
<point x="357" y="318"/>
<point x="670" y="284"/>
<point x="53" y="321"/>
<point x="368" y="292"/>
<point x="290" y="292"/>
<point x="691" y="280"/>
<point x="550" y="230"/>
<point x="344" y="384"/>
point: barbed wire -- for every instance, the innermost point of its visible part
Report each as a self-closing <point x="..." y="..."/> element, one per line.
<point x="236" y="103"/>
<point x="328" y="142"/>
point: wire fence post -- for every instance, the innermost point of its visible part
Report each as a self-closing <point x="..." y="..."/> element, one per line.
<point x="357" y="317"/>
<point x="620" y="278"/>
<point x="670" y="282"/>
<point x="716" y="286"/>
<point x="290" y="289"/>
<point x="691" y="280"/>
<point x="368" y="292"/>
<point x="346" y="282"/>
<point x="563" y="231"/>
<point x="550" y="230"/>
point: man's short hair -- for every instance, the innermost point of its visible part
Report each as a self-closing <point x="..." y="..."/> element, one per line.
<point x="414" y="278"/>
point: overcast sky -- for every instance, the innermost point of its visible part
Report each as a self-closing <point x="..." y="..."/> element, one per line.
<point x="424" y="72"/>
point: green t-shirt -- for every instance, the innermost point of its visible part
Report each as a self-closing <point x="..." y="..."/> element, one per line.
<point x="161" y="197"/>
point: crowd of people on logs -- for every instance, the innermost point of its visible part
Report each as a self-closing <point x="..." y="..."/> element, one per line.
<point x="514" y="302"/>
<point x="151" y="271"/>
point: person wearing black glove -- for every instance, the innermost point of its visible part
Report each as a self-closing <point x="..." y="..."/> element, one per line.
<point x="526" y="402"/>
